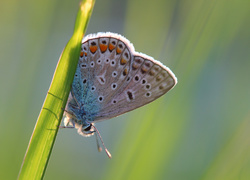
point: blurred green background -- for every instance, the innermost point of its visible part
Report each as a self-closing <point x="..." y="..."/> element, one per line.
<point x="199" y="130"/>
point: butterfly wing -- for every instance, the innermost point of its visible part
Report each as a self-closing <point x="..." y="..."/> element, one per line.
<point x="103" y="65"/>
<point x="111" y="78"/>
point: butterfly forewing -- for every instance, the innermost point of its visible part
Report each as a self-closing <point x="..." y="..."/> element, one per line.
<point x="103" y="66"/>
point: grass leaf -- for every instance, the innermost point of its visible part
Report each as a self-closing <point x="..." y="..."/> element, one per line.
<point x="45" y="131"/>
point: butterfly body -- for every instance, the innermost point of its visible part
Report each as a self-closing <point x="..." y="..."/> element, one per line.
<point x="112" y="79"/>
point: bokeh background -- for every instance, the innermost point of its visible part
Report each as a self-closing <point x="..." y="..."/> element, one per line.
<point x="199" y="130"/>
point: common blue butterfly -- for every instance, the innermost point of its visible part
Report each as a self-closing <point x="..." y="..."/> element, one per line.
<point x="112" y="79"/>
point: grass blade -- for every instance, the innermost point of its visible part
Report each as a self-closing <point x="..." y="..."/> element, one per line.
<point x="45" y="131"/>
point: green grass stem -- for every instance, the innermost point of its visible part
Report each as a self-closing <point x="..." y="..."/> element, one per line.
<point x="46" y="128"/>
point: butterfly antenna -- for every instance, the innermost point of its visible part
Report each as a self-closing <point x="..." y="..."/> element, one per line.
<point x="98" y="146"/>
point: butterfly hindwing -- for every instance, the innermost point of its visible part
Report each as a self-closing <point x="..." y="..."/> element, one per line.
<point x="147" y="80"/>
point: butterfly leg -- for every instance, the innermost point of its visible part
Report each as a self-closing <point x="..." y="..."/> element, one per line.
<point x="68" y="122"/>
<point x="67" y="111"/>
<point x="61" y="127"/>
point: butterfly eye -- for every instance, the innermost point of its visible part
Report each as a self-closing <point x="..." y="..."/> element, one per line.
<point x="87" y="128"/>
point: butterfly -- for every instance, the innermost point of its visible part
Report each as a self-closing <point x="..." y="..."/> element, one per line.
<point x="111" y="79"/>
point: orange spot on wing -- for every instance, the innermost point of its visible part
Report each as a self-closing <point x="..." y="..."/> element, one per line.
<point x="125" y="72"/>
<point x="103" y="47"/>
<point x="123" y="61"/>
<point x="151" y="73"/>
<point x="158" y="78"/>
<point x="118" y="50"/>
<point x="85" y="53"/>
<point x="111" y="47"/>
<point x="81" y="54"/>
<point x="135" y="66"/>
<point x="143" y="70"/>
<point x="93" y="49"/>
